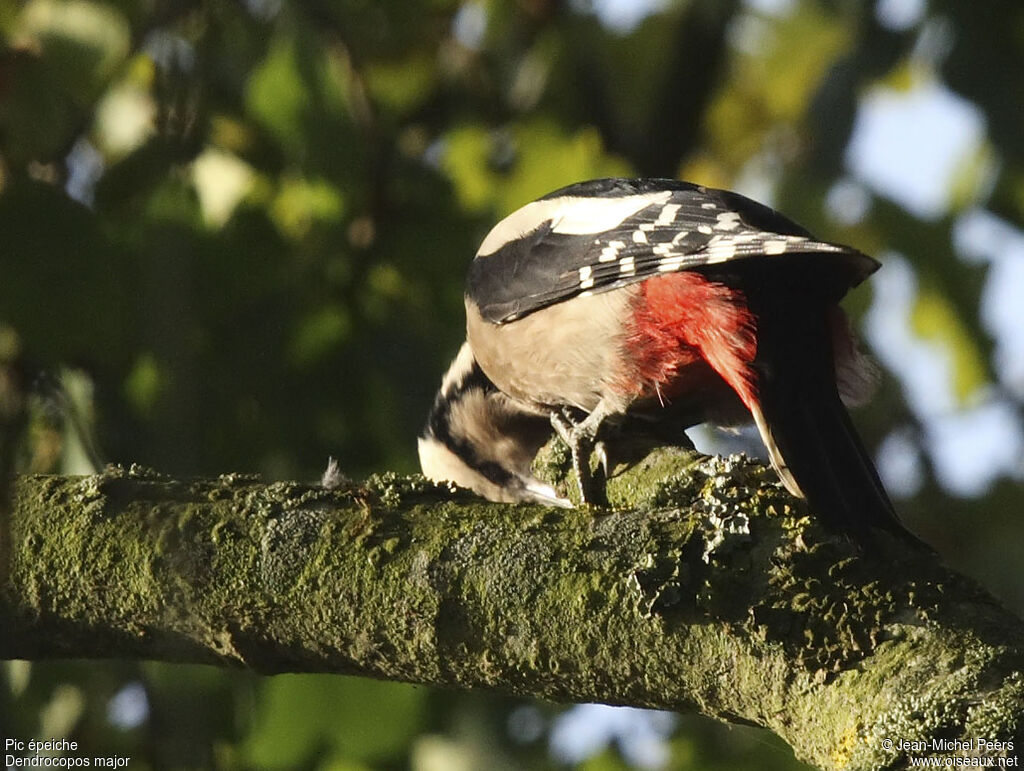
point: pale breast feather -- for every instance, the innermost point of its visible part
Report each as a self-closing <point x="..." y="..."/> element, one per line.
<point x="604" y="234"/>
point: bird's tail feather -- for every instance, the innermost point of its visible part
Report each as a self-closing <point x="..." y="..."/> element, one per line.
<point x="807" y="430"/>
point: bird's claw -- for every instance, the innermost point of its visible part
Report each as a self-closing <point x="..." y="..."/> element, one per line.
<point x="581" y="439"/>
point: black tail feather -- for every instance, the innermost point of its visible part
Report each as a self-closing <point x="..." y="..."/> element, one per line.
<point x="826" y="458"/>
<point x="804" y="423"/>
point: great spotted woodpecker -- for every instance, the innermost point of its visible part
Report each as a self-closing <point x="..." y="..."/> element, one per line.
<point x="657" y="303"/>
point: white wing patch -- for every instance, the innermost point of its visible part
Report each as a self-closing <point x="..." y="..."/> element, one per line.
<point x="667" y="215"/>
<point x="585" y="278"/>
<point x="610" y="253"/>
<point x="571" y="215"/>
<point x="728" y="220"/>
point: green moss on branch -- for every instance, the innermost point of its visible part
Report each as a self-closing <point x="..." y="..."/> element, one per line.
<point x="707" y="588"/>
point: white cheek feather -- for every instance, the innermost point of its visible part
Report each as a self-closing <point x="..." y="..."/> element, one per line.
<point x="571" y="215"/>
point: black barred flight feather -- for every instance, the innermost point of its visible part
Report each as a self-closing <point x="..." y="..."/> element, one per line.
<point x="604" y="234"/>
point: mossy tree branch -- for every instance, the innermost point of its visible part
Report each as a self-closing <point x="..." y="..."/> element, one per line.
<point x="706" y="589"/>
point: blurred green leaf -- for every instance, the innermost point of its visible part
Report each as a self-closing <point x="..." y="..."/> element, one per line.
<point x="403" y="85"/>
<point x="278" y="95"/>
<point x="59" y="717"/>
<point x="302" y="203"/>
<point x="935" y="319"/>
<point x="300" y="94"/>
<point x="56" y="287"/>
<point x="608" y="760"/>
<point x="69" y="50"/>
<point x="320" y="331"/>
<point x="973" y="175"/>
<point x="779" y="68"/>
<point x="466" y="159"/>
<point x="303" y="715"/>
<point x="500" y="172"/>
<point x="549" y="158"/>
<point x="144" y="384"/>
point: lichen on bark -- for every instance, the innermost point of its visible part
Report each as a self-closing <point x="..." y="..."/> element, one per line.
<point x="705" y="587"/>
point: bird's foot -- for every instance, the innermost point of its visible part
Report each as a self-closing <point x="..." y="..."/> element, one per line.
<point x="581" y="438"/>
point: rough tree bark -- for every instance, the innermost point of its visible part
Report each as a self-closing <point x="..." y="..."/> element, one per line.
<point x="705" y="589"/>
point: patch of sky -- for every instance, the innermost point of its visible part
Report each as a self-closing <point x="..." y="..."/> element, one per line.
<point x="620" y="16"/>
<point x="129" y="707"/>
<point x="587" y="729"/>
<point x="908" y="144"/>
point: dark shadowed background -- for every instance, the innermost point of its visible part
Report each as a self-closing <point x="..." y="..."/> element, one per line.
<point x="233" y="237"/>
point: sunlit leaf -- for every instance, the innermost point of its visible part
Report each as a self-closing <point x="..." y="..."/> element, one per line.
<point x="222" y="180"/>
<point x="82" y="40"/>
<point x="277" y="94"/>
<point x="466" y="161"/>
<point x="548" y="157"/>
<point x="781" y="67"/>
<point x="440" y="753"/>
<point x="299" y="94"/>
<point x="300" y="203"/>
<point x="704" y="169"/>
<point x="230" y="133"/>
<point x="402" y="85"/>
<point x="125" y="116"/>
<point x="63" y="711"/>
<point x="972" y="175"/>
<point x="376" y="719"/>
<point x="541" y="157"/>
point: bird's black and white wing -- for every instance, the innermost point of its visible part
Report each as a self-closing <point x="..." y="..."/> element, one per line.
<point x="604" y="234"/>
